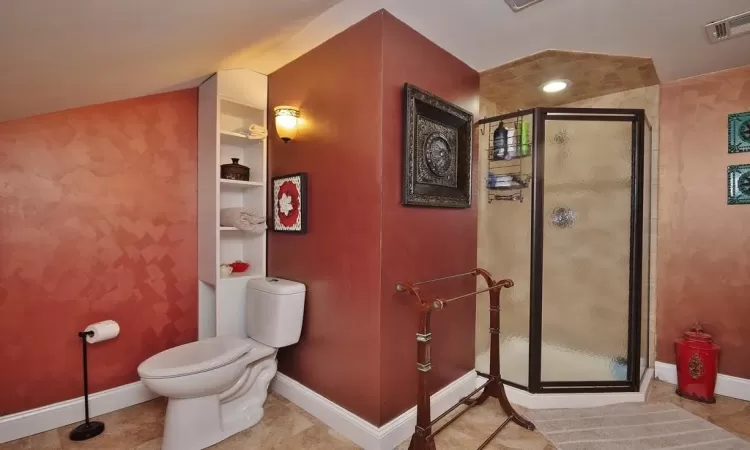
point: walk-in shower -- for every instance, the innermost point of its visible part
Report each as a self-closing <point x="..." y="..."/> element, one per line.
<point x="567" y="219"/>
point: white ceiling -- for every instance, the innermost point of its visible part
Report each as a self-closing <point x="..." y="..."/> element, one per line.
<point x="59" y="54"/>
<point x="669" y="31"/>
<point x="486" y="33"/>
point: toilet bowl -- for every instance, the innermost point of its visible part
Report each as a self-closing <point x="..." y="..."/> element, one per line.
<point x="216" y="387"/>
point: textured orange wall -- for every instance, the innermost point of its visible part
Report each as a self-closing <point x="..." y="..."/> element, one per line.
<point x="97" y="221"/>
<point x="703" y="259"/>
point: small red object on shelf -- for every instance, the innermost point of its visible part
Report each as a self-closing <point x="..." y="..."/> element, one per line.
<point x="697" y="365"/>
<point x="239" y="266"/>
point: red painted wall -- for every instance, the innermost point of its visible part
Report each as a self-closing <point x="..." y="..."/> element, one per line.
<point x="358" y="346"/>
<point x="337" y="87"/>
<point x="97" y="221"/>
<point x="422" y="243"/>
<point x="704" y="246"/>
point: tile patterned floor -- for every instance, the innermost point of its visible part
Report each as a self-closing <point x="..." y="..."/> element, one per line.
<point x="729" y="413"/>
<point x="285" y="426"/>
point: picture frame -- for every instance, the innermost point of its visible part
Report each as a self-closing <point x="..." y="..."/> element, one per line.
<point x="738" y="184"/>
<point x="289" y="196"/>
<point x="437" y="154"/>
<point x="739" y="132"/>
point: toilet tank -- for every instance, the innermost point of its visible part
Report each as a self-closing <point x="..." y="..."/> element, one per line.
<point x="273" y="315"/>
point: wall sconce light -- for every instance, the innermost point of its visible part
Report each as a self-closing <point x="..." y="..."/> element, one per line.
<point x="287" y="118"/>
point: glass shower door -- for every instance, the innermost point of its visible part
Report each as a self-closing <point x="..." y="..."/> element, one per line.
<point x="587" y="185"/>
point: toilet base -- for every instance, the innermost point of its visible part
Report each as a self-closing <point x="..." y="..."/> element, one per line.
<point x="197" y="423"/>
<point x="193" y="424"/>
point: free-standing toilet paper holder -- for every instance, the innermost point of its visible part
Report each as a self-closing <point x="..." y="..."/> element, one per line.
<point x="87" y="429"/>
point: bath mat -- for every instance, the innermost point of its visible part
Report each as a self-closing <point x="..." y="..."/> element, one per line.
<point x="632" y="426"/>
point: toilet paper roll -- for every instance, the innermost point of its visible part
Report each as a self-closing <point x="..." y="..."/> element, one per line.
<point x="105" y="330"/>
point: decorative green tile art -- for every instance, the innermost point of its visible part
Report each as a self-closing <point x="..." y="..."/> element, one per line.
<point x="738" y="184"/>
<point x="739" y="132"/>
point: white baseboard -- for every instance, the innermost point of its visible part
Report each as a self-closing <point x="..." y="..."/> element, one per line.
<point x="360" y="431"/>
<point x="725" y="384"/>
<point x="666" y="372"/>
<point x="591" y="400"/>
<point x="33" y="421"/>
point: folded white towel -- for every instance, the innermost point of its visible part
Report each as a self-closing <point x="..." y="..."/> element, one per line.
<point x="257" y="132"/>
<point x="243" y="219"/>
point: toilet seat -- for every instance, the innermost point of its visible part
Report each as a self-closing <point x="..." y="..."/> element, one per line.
<point x="202" y="356"/>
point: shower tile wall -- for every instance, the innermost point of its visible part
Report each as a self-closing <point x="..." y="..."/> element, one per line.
<point x="485" y="235"/>
<point x="504" y="248"/>
<point x="504" y="245"/>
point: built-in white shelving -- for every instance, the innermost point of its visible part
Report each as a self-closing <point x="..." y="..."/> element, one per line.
<point x="241" y="184"/>
<point x="233" y="134"/>
<point x="244" y="276"/>
<point x="240" y="139"/>
<point x="229" y="102"/>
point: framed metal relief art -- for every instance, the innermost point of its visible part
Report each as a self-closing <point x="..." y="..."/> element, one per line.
<point x="739" y="132"/>
<point x="437" y="152"/>
<point x="738" y="184"/>
<point x="290" y="203"/>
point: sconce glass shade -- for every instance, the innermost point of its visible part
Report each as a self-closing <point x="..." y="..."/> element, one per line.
<point x="287" y="118"/>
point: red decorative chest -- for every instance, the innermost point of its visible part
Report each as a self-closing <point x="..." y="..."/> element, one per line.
<point x="697" y="365"/>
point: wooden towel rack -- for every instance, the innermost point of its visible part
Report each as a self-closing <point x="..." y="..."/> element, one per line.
<point x="424" y="437"/>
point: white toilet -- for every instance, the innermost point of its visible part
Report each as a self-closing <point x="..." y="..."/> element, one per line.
<point x="216" y="387"/>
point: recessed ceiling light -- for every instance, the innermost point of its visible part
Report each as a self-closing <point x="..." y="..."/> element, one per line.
<point x="553" y="86"/>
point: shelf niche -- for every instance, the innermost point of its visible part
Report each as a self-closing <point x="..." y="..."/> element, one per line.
<point x="229" y="102"/>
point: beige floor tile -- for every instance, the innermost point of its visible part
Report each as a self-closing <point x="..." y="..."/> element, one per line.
<point x="660" y="391"/>
<point x="476" y="425"/>
<point x="455" y="439"/>
<point x="516" y="437"/>
<point x="737" y="423"/>
<point x="154" y="444"/>
<point x="126" y="428"/>
<point x="318" y="437"/>
<point x="482" y="421"/>
<point x="729" y="413"/>
<point x="49" y="440"/>
<point x="279" y="422"/>
<point x="304" y="414"/>
<point x="286" y="426"/>
<point x="280" y="398"/>
<point x="274" y="400"/>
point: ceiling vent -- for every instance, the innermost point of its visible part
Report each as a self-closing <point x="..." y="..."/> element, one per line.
<point x="721" y="30"/>
<point x="517" y="5"/>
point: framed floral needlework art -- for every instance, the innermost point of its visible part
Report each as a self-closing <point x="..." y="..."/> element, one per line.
<point x="290" y="203"/>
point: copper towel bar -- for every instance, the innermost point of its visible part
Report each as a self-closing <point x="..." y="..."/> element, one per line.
<point x="423" y="437"/>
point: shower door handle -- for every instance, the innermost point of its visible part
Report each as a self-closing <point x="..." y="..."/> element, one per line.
<point x="563" y="217"/>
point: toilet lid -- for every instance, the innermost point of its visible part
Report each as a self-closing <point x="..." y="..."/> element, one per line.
<point x="200" y="356"/>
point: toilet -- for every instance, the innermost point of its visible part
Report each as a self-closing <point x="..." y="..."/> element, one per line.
<point x="216" y="387"/>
